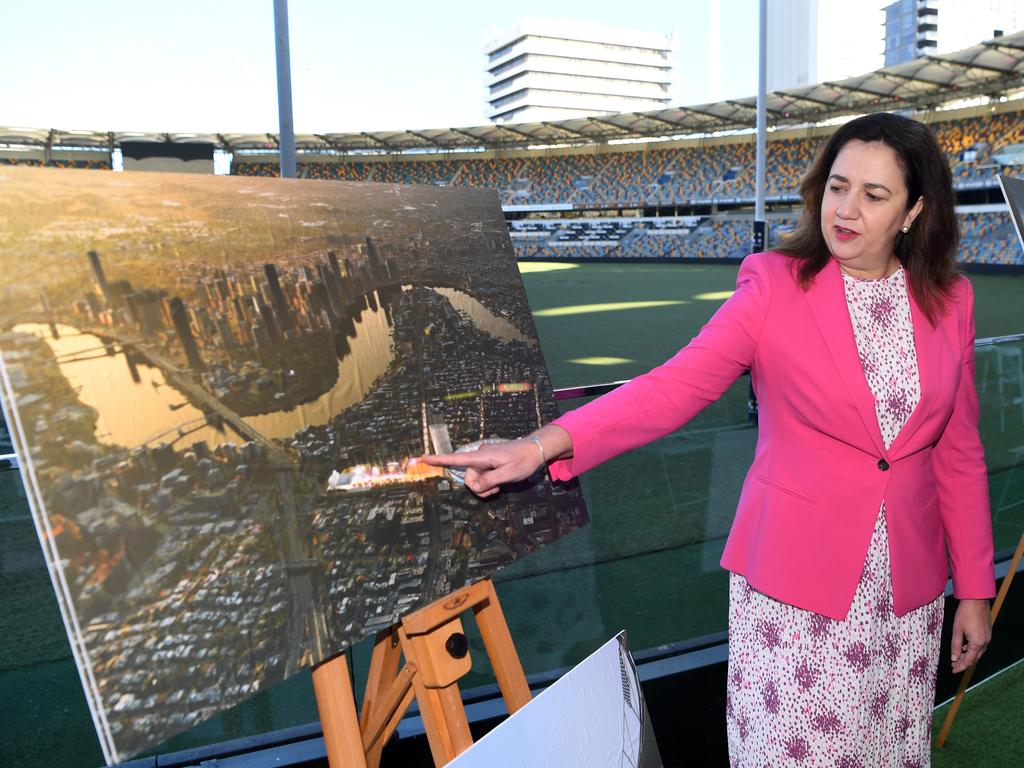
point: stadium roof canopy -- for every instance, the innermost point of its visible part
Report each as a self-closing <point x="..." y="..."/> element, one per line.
<point x="992" y="68"/>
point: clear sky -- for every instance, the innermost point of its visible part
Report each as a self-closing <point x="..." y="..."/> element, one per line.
<point x="208" y="65"/>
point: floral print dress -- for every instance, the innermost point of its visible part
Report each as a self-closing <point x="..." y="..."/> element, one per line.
<point x="804" y="689"/>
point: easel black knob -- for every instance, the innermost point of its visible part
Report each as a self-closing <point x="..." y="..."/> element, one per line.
<point x="457" y="645"/>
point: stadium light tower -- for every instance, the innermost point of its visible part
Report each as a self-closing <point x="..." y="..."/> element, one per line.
<point x="286" y="133"/>
<point x="759" y="169"/>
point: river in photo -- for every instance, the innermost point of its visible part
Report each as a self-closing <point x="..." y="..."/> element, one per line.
<point x="483" y="318"/>
<point x="150" y="411"/>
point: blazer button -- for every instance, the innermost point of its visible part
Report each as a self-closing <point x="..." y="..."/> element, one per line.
<point x="883" y="464"/>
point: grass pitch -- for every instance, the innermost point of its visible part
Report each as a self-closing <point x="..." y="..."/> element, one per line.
<point x="603" y="322"/>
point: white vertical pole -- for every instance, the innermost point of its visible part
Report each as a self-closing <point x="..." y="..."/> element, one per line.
<point x="286" y="138"/>
<point x="762" y="88"/>
<point x="715" y="51"/>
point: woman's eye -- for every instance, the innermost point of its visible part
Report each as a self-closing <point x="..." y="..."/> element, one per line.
<point x="873" y="198"/>
<point x="834" y="188"/>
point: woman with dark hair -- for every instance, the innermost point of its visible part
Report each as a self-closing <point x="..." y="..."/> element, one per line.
<point x="859" y="336"/>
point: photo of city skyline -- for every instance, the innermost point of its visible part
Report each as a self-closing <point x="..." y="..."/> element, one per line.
<point x="215" y="386"/>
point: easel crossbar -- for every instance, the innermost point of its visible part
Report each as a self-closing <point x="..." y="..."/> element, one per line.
<point x="430" y="675"/>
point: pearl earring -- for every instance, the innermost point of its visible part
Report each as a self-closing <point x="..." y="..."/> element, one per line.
<point x="905" y="230"/>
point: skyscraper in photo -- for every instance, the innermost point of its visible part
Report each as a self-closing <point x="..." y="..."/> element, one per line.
<point x="284" y="319"/>
<point x="179" y="317"/>
<point x="101" y="278"/>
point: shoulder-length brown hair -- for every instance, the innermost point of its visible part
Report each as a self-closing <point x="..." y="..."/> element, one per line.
<point x="928" y="251"/>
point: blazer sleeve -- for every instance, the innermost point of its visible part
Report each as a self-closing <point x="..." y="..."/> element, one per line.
<point x="958" y="460"/>
<point x="662" y="400"/>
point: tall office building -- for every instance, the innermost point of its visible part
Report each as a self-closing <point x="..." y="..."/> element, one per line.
<point x="179" y="318"/>
<point x="284" y="316"/>
<point x="544" y="69"/>
<point x="915" y="28"/>
<point x="438" y="429"/>
<point x="813" y="41"/>
<point x="101" y="278"/>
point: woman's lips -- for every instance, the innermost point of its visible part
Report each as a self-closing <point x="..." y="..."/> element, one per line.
<point x="842" y="233"/>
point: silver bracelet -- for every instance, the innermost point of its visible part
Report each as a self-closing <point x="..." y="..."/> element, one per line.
<point x="536" y="441"/>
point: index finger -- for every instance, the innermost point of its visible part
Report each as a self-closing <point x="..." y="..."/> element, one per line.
<point x="466" y="459"/>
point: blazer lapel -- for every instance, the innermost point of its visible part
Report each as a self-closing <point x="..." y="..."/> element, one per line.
<point x="827" y="300"/>
<point x="929" y="348"/>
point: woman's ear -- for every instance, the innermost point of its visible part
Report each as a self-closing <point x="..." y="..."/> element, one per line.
<point x="913" y="213"/>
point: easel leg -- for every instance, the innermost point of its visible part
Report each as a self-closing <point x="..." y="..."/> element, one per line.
<point x="441" y="748"/>
<point x="444" y="717"/>
<point x="336" y="702"/>
<point x="965" y="681"/>
<point x="455" y="718"/>
<point x="383" y="667"/>
<point x="508" y="670"/>
<point x="374" y="749"/>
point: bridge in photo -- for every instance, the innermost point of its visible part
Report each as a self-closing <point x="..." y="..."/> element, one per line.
<point x="179" y="378"/>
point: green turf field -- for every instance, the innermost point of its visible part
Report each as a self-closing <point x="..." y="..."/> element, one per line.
<point x="648" y="563"/>
<point x="986" y="731"/>
<point x="602" y="322"/>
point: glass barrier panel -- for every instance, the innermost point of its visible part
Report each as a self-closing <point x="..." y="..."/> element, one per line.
<point x="647" y="563"/>
<point x="999" y="373"/>
<point x="5" y="437"/>
<point x="39" y="684"/>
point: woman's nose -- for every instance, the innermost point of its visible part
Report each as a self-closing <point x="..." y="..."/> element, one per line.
<point x="847" y="209"/>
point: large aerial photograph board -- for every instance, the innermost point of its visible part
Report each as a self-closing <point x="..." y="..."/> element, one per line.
<point x="1013" y="191"/>
<point x="215" y="388"/>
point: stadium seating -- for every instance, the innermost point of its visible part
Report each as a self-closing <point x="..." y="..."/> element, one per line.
<point x="685" y="237"/>
<point x="101" y="165"/>
<point x="715" y="173"/>
<point x="970" y="144"/>
<point x="986" y="238"/>
<point x="703" y="174"/>
<point x="92" y="165"/>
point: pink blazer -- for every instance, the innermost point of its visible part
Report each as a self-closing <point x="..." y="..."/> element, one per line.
<point x="820" y="471"/>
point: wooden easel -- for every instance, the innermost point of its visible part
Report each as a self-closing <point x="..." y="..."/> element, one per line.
<point x="436" y="657"/>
